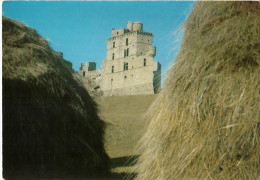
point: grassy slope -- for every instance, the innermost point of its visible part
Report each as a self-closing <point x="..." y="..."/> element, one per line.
<point x="125" y="126"/>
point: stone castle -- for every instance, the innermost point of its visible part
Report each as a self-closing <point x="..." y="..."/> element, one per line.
<point x="129" y="67"/>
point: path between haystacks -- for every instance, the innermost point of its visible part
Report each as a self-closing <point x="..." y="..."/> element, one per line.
<point x="125" y="126"/>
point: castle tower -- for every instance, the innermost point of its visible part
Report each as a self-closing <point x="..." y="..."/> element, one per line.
<point x="129" y="67"/>
<point x="130" y="25"/>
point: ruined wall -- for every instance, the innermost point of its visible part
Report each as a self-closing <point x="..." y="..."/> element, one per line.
<point x="90" y="75"/>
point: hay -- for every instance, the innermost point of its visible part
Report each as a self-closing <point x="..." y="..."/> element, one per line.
<point x="206" y="122"/>
<point x="50" y="123"/>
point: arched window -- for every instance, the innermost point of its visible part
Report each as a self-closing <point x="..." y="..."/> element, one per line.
<point x="113" y="56"/>
<point x="144" y="62"/>
<point x="126" y="41"/>
<point x="84" y="73"/>
<point x="114" y="44"/>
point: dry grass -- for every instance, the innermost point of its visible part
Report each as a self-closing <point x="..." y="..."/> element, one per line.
<point x="50" y="124"/>
<point x="205" y="124"/>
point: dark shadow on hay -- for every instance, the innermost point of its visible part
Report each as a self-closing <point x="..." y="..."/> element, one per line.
<point x="43" y="133"/>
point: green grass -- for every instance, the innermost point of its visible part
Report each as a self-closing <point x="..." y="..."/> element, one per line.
<point x="125" y="127"/>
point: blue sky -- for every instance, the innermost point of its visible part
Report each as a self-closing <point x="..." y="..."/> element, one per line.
<point x="79" y="29"/>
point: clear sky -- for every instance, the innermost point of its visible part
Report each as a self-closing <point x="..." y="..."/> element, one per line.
<point x="79" y="29"/>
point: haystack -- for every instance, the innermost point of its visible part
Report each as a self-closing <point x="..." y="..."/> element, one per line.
<point x="206" y="122"/>
<point x="50" y="123"/>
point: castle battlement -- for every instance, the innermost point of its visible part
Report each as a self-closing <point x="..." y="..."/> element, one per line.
<point x="130" y="34"/>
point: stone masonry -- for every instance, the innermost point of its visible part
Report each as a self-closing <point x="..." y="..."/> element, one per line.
<point x="129" y="67"/>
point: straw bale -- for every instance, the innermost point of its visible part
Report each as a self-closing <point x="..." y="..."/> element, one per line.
<point x="50" y="124"/>
<point x="205" y="124"/>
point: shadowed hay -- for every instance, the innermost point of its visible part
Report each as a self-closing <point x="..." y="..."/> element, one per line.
<point x="50" y="123"/>
<point x="205" y="124"/>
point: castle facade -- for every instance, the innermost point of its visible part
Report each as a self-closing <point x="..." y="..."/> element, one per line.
<point x="129" y="67"/>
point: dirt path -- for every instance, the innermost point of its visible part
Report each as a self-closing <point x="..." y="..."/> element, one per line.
<point x="125" y="127"/>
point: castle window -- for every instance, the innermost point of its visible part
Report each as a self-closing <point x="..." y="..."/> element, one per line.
<point x="114" y="44"/>
<point x="113" y="56"/>
<point x="126" y="52"/>
<point x="144" y="62"/>
<point x="84" y="73"/>
<point x="126" y="41"/>
<point x="117" y="33"/>
<point x="125" y="66"/>
<point x="112" y="70"/>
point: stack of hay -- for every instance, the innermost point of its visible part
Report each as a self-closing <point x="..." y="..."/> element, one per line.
<point x="50" y="123"/>
<point x="206" y="122"/>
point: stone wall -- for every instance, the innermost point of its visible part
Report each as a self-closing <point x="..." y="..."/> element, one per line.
<point x="129" y="67"/>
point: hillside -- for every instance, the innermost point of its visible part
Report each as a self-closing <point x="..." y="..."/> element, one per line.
<point x="125" y="127"/>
